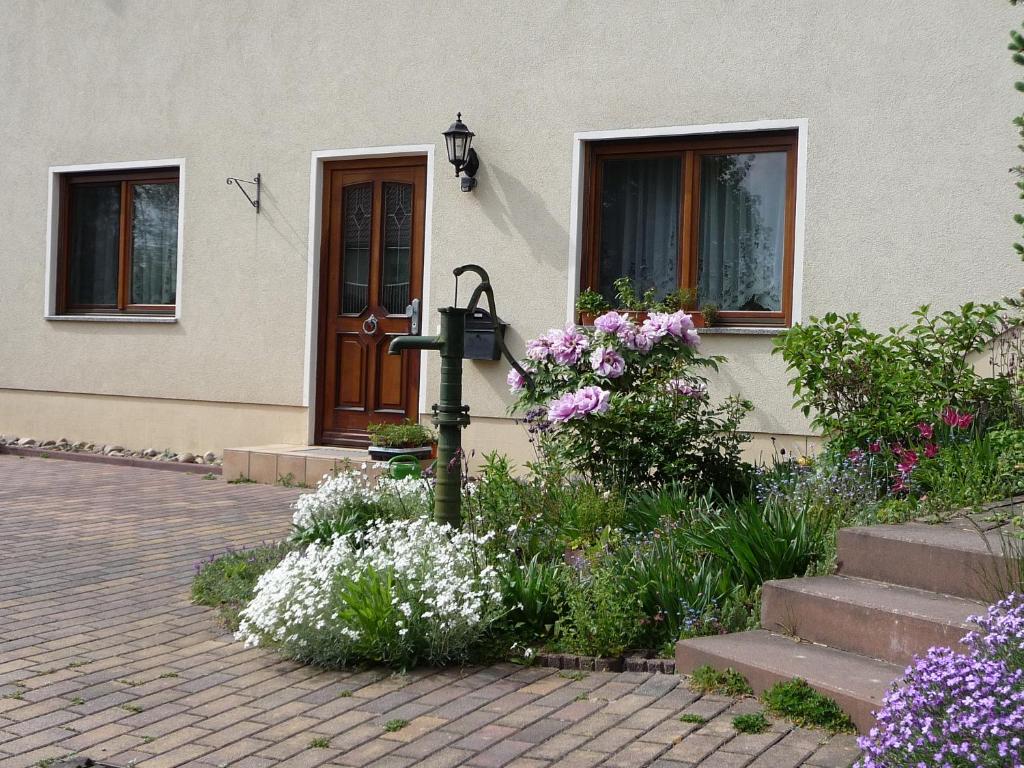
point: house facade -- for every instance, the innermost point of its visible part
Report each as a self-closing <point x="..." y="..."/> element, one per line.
<point x="782" y="160"/>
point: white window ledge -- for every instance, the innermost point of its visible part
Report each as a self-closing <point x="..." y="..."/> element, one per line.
<point x="114" y="318"/>
<point x="734" y="331"/>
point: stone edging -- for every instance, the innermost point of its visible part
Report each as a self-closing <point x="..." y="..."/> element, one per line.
<point x="121" y="461"/>
<point x="605" y="664"/>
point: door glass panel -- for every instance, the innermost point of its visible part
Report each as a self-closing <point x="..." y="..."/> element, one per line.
<point x="154" y="243"/>
<point x="640" y="202"/>
<point x="742" y="231"/>
<point x="93" y="248"/>
<point x="396" y="267"/>
<point x="357" y="212"/>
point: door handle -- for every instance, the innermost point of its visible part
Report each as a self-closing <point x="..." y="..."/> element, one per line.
<point x="370" y="325"/>
<point x="413" y="313"/>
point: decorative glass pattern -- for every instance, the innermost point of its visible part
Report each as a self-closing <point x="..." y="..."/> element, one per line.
<point x="397" y="264"/>
<point x="357" y="214"/>
<point x="94" y="237"/>
<point x="742" y="231"/>
<point x="154" y="243"/>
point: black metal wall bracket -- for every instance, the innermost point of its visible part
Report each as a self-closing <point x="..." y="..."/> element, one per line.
<point x="253" y="201"/>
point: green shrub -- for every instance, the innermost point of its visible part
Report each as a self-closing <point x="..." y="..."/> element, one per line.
<point x="796" y="700"/>
<point x="600" y="618"/>
<point x="534" y="595"/>
<point x="751" y="722"/>
<point x="858" y="385"/>
<point x="406" y="435"/>
<point x="727" y="682"/>
<point x="227" y="581"/>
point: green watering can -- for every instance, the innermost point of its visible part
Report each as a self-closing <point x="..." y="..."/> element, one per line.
<point x="403" y="466"/>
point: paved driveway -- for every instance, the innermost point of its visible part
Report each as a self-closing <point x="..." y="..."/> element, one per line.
<point x="103" y="655"/>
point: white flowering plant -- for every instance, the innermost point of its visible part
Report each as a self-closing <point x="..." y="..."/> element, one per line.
<point x="347" y="501"/>
<point x="396" y="592"/>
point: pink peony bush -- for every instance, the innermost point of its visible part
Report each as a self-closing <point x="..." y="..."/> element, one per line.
<point x="627" y="404"/>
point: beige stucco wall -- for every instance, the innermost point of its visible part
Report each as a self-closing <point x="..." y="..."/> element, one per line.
<point x="908" y="108"/>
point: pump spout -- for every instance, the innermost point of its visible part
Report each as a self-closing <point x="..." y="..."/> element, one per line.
<point x="402" y="343"/>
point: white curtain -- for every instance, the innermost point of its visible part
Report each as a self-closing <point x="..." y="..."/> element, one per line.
<point x="640" y="203"/>
<point x="742" y="226"/>
<point x="154" y="243"/>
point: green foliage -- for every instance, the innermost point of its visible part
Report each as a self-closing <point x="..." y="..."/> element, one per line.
<point x="727" y="682"/>
<point x="979" y="469"/>
<point x="347" y="517"/>
<point x="320" y="742"/>
<point x="858" y="385"/>
<point x="226" y="581"/>
<point x="407" y="435"/>
<point x="591" y="302"/>
<point x="751" y="722"/>
<point x="710" y="313"/>
<point x="395" y="725"/>
<point x="628" y="298"/>
<point x="534" y="594"/>
<point x="600" y="619"/>
<point x="796" y="700"/>
<point x="690" y="717"/>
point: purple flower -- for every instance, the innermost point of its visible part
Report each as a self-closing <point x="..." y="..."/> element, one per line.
<point x="567" y="345"/>
<point x="562" y="409"/>
<point x="538" y="349"/>
<point x="696" y="390"/>
<point x="678" y="325"/>
<point x="610" y="322"/>
<point x="607" y="362"/>
<point x="515" y="380"/>
<point x="635" y="339"/>
<point x="591" y="400"/>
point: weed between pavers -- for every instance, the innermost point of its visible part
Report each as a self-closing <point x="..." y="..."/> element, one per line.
<point x="321" y="742"/>
<point x="395" y="725"/>
<point x="751" y="722"/>
<point x="728" y="682"/>
<point x="690" y="717"/>
<point x="133" y="708"/>
<point x="576" y="674"/>
<point x="344" y="694"/>
<point x="796" y="700"/>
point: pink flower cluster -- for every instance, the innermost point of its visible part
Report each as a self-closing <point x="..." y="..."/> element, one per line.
<point x="578" y="405"/>
<point x="658" y="325"/>
<point x="696" y="390"/>
<point x="565" y="347"/>
<point x="607" y="362"/>
<point x="956" y="419"/>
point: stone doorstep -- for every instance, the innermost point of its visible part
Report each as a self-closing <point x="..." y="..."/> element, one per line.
<point x="99" y="458"/>
<point x="306" y="464"/>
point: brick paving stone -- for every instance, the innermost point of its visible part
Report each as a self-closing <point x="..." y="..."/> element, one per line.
<point x="98" y="623"/>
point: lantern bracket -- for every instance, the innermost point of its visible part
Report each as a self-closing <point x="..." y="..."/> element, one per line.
<point x="253" y="201"/>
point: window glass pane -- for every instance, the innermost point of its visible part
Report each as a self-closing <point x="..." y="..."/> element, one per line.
<point x="742" y="231"/>
<point x="93" y="251"/>
<point x="640" y="201"/>
<point x="357" y="213"/>
<point x="154" y="243"/>
<point x="397" y="247"/>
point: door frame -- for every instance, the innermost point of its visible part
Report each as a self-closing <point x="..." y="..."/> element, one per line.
<point x="316" y="190"/>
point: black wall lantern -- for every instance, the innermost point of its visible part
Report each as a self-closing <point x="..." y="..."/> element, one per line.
<point x="458" y="140"/>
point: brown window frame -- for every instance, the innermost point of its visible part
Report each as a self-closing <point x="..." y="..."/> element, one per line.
<point x="128" y="180"/>
<point x="690" y="149"/>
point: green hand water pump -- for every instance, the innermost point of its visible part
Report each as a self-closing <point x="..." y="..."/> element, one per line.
<point x="450" y="413"/>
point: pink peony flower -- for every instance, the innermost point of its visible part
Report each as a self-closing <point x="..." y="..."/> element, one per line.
<point x="562" y="409"/>
<point x="925" y="430"/>
<point x="931" y="450"/>
<point x="538" y="349"/>
<point x="610" y="322"/>
<point x="515" y="380"/>
<point x="655" y="326"/>
<point x="607" y="362"/>
<point x="591" y="400"/>
<point x="567" y="345"/>
<point x="678" y="325"/>
<point x="683" y="387"/>
<point x="635" y="339"/>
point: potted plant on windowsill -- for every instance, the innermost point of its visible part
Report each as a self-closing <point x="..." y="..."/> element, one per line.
<point x="710" y="314"/>
<point x="636" y="306"/>
<point x="408" y="439"/>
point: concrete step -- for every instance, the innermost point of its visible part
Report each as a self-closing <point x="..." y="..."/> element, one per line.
<point x="857" y="683"/>
<point x="871" y="618"/>
<point x="953" y="558"/>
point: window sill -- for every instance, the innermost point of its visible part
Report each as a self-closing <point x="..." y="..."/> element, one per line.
<point x="115" y="318"/>
<point x="742" y="331"/>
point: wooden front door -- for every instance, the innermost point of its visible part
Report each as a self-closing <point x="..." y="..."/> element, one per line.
<point x="371" y="270"/>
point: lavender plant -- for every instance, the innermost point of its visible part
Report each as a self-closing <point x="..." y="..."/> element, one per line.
<point x="955" y="710"/>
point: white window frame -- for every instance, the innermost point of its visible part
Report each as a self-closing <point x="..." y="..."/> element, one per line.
<point x="53" y="213"/>
<point x="576" y="202"/>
